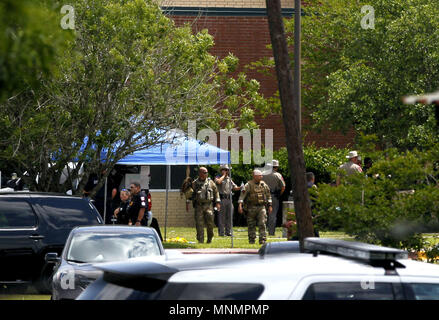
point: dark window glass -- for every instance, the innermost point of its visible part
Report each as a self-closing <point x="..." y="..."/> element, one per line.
<point x="158" y="176"/>
<point x="68" y="212"/>
<point x="102" y="290"/>
<point x="349" y="291"/>
<point x="16" y="213"/>
<point x="178" y="174"/>
<point x="423" y="291"/>
<point x="211" y="291"/>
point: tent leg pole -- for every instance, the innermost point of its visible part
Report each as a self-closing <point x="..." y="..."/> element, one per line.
<point x="231" y="206"/>
<point x="105" y="202"/>
<point x="168" y="179"/>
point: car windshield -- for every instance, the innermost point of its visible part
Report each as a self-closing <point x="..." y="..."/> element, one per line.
<point x="92" y="248"/>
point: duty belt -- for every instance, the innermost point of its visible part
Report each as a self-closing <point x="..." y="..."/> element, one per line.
<point x="256" y="205"/>
<point x="224" y="196"/>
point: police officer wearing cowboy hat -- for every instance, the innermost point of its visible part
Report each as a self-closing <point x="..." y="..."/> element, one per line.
<point x="350" y="167"/>
<point x="225" y="187"/>
<point x="276" y="183"/>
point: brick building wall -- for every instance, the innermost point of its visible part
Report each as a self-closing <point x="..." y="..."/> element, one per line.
<point x="177" y="215"/>
<point x="243" y="31"/>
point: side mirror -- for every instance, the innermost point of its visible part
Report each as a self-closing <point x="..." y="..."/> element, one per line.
<point x="51" y="257"/>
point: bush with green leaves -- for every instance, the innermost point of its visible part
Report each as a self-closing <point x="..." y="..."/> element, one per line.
<point x="393" y="205"/>
<point x="323" y="162"/>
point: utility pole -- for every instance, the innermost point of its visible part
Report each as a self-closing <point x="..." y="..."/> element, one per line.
<point x="290" y="114"/>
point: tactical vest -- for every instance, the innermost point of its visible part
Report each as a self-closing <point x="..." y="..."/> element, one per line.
<point x="257" y="194"/>
<point x="203" y="191"/>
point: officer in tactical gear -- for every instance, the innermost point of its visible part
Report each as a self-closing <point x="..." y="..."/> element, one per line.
<point x="187" y="191"/>
<point x="256" y="196"/>
<point x="205" y="193"/>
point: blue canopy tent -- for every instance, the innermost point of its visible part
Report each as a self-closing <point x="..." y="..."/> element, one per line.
<point x="184" y="151"/>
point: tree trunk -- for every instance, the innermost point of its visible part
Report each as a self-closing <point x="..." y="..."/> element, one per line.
<point x="291" y="121"/>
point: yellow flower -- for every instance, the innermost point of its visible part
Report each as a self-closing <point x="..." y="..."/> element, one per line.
<point x="422" y="255"/>
<point x="177" y="239"/>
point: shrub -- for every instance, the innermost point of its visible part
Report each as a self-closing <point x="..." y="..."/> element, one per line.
<point x="323" y="162"/>
<point x="392" y="207"/>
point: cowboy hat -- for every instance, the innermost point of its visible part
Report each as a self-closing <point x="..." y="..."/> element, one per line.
<point x="352" y="154"/>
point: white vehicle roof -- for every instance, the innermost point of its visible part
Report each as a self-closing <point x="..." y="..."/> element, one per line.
<point x="282" y="274"/>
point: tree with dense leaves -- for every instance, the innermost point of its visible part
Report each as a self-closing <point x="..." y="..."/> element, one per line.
<point x="127" y="76"/>
<point x="359" y="61"/>
<point x="356" y="70"/>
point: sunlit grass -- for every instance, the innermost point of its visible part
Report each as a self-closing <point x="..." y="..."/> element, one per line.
<point x="240" y="239"/>
<point x="24" y="297"/>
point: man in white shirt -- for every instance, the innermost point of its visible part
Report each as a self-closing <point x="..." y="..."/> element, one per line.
<point x="349" y="167"/>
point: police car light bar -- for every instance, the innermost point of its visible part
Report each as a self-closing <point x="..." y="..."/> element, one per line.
<point x="355" y="250"/>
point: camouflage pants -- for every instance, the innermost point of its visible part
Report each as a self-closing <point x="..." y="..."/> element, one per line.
<point x="257" y="216"/>
<point x="204" y="217"/>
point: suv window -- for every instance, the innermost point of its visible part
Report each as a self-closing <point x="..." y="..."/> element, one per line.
<point x="422" y="291"/>
<point x="16" y="213"/>
<point x="69" y="212"/>
<point x="211" y="291"/>
<point x="349" y="291"/>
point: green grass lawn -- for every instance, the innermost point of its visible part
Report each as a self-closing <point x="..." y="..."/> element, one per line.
<point x="432" y="238"/>
<point x="24" y="297"/>
<point x="240" y="239"/>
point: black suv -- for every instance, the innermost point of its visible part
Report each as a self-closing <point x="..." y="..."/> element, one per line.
<point x="32" y="224"/>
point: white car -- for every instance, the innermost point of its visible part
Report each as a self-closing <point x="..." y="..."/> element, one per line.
<point x="330" y="270"/>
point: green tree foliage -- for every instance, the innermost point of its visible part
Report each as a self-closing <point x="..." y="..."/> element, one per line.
<point x="127" y="76"/>
<point x="29" y="41"/>
<point x="323" y="162"/>
<point x="392" y="205"/>
<point x="355" y="77"/>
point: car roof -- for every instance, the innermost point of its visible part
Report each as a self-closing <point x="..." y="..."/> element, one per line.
<point x="295" y="265"/>
<point x="418" y="268"/>
<point x="279" y="273"/>
<point x="302" y="264"/>
<point x="35" y="194"/>
<point x="102" y="229"/>
<point x="282" y="274"/>
<point x="249" y="267"/>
